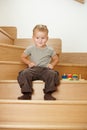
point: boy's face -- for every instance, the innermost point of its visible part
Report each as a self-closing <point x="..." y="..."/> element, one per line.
<point x="40" y="38"/>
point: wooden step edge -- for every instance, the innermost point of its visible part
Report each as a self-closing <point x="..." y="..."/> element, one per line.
<point x="67" y="81"/>
<point x="15" y="81"/>
<point x="5" y="33"/>
<point x="12" y="62"/>
<point x="45" y="126"/>
<point x="11" y="46"/>
<point x="41" y="102"/>
<point x="72" y="64"/>
<point x="82" y="81"/>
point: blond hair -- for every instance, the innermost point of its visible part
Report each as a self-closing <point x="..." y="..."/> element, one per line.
<point x="40" y="27"/>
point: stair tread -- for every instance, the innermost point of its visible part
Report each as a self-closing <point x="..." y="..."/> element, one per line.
<point x="44" y="125"/>
<point x="11" y="46"/>
<point x="39" y="81"/>
<point x="68" y="102"/>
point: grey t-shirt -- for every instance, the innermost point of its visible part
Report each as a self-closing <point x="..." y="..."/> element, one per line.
<point x="40" y="56"/>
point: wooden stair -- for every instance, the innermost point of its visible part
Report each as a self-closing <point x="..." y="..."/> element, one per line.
<point x="69" y="68"/>
<point x="11" y="68"/>
<point x="39" y="126"/>
<point x="10" y="52"/>
<point x="67" y="90"/>
<point x="68" y="112"/>
<point x="43" y="115"/>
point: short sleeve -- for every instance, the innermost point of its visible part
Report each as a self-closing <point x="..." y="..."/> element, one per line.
<point x="27" y="51"/>
<point x="52" y="51"/>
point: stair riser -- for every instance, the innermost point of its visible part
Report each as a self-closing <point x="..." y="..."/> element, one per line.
<point x="66" y="69"/>
<point x="55" y="43"/>
<point x="10" y="53"/>
<point x="35" y="112"/>
<point x="66" y="90"/>
<point x="9" y="70"/>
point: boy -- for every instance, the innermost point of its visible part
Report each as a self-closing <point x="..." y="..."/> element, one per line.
<point x="41" y="62"/>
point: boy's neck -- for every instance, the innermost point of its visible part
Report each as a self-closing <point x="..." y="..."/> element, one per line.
<point x="41" y="46"/>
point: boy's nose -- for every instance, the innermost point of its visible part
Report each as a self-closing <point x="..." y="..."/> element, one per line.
<point x="40" y="40"/>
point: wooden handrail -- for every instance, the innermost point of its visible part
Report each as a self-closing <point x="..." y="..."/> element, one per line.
<point x="5" y="33"/>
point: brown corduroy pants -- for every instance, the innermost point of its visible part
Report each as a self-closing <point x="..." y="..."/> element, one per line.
<point x="49" y="76"/>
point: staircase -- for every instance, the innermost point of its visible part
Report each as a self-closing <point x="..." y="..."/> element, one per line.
<point x="48" y="115"/>
<point x="68" y="112"/>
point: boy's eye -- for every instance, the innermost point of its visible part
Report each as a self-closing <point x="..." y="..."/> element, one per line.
<point x="42" y="37"/>
<point x="37" y="37"/>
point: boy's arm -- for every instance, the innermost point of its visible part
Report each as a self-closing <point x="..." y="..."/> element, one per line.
<point x="25" y="59"/>
<point x="54" y="62"/>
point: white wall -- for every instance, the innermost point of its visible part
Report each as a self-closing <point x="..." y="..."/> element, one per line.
<point x="66" y="19"/>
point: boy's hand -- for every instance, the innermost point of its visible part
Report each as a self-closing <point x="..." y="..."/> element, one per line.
<point x="50" y="66"/>
<point x="31" y="64"/>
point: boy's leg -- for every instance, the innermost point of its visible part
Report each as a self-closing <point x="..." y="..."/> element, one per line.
<point x="26" y="88"/>
<point x="25" y="79"/>
<point x="51" y="79"/>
